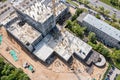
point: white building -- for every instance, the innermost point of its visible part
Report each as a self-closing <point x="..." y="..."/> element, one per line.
<point x="109" y="35"/>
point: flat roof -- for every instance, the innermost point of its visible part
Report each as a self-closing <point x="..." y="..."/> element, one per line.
<point x="22" y="4"/>
<point x="80" y="48"/>
<point x="25" y="33"/>
<point x="56" y="44"/>
<point x="81" y="17"/>
<point x="39" y="12"/>
<point x="66" y="45"/>
<point x="59" y="6"/>
<point x="8" y="17"/>
<point x="103" y="26"/>
<point x="43" y="51"/>
<point x="5" y="10"/>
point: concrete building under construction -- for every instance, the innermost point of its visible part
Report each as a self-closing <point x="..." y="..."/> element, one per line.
<point x="35" y="28"/>
<point x="33" y="23"/>
<point x="40" y="14"/>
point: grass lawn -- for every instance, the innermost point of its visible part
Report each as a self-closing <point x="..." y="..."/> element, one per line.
<point x="108" y="2"/>
<point x="117" y="65"/>
<point x="118" y="77"/>
<point x="73" y="3"/>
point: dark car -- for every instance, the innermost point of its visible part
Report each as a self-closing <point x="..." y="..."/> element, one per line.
<point x="113" y="68"/>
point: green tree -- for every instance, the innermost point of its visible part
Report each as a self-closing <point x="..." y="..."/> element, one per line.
<point x="77" y="29"/>
<point x="69" y="23"/>
<point x="79" y="11"/>
<point x="114" y="2"/>
<point x="92" y="37"/>
<point x="2" y="0"/>
<point x="119" y="3"/>
<point x="12" y="77"/>
<point x="23" y="77"/>
<point x="99" y="47"/>
<point x="80" y="1"/>
<point x="74" y="17"/>
<point x="116" y="25"/>
<point x="1" y="60"/>
<point x="86" y="2"/>
<point x="4" y="78"/>
<point x="114" y="17"/>
<point x="106" y="12"/>
<point x="106" y="52"/>
<point x="8" y="72"/>
<point x="102" y="9"/>
<point x="93" y="45"/>
<point x="119" y="21"/>
<point x="116" y="55"/>
<point x="103" y="50"/>
<point x="97" y="16"/>
<point x="118" y="77"/>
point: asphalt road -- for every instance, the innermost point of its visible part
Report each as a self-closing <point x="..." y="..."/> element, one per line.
<point x="107" y="7"/>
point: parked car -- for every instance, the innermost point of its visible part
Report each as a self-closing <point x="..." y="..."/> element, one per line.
<point x="113" y="68"/>
<point x="111" y="71"/>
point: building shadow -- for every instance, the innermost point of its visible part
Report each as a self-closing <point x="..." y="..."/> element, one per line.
<point x="62" y="19"/>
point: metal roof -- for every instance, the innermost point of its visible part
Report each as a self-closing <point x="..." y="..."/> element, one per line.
<point x="103" y="26"/>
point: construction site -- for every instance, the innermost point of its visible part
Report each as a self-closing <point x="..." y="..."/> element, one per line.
<point x="54" y="53"/>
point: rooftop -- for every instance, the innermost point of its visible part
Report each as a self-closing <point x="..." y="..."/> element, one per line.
<point x="5" y="10"/>
<point x="22" y="4"/>
<point x="59" y="6"/>
<point x="104" y="27"/>
<point x="43" y="51"/>
<point x="58" y="46"/>
<point x="81" y="17"/>
<point x="24" y="32"/>
<point x="78" y="46"/>
<point x="39" y="12"/>
<point x="67" y="44"/>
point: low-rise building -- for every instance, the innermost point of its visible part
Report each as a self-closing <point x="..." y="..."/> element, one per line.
<point x="109" y="35"/>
